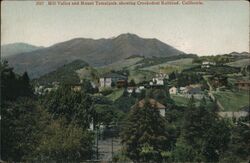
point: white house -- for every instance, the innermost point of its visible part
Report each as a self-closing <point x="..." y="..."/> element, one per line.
<point x="207" y="64"/>
<point x="173" y="90"/>
<point x="130" y="89"/>
<point x="158" y="81"/>
<point x="141" y="87"/>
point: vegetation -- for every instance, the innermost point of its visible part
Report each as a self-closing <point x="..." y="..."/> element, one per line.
<point x="218" y="69"/>
<point x="145" y="134"/>
<point x="42" y="131"/>
<point x="64" y="74"/>
<point x="239" y="63"/>
<point x="184" y="79"/>
<point x="232" y="101"/>
<point x="55" y="127"/>
<point x="220" y="59"/>
<point x="146" y="62"/>
<point x="182" y="101"/>
<point x="115" y="94"/>
<point x="172" y="66"/>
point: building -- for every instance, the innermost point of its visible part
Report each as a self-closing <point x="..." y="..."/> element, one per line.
<point x="191" y="89"/>
<point x="113" y="78"/>
<point x="159" y="79"/>
<point x="182" y="90"/>
<point x="154" y="104"/>
<point x="243" y="84"/>
<point x="130" y="89"/>
<point x="207" y="64"/>
<point x="173" y="90"/>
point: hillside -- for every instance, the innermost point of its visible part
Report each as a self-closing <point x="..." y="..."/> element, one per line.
<point x="64" y="74"/>
<point x="17" y="48"/>
<point x="96" y="52"/>
<point x="240" y="63"/>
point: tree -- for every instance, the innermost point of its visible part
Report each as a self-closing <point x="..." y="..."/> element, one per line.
<point x="74" y="106"/>
<point x="145" y="136"/>
<point x="239" y="147"/>
<point x="64" y="142"/>
<point x="12" y="85"/>
<point x="22" y="126"/>
<point x="87" y="87"/>
<point x="161" y="95"/>
<point x="132" y="83"/>
<point x="24" y="84"/>
<point x="205" y="132"/>
<point x="106" y="114"/>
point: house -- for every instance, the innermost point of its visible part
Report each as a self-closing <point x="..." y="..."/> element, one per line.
<point x="191" y="89"/>
<point x="130" y="89"/>
<point x="243" y="84"/>
<point x="155" y="104"/>
<point x="194" y="91"/>
<point x="173" y="90"/>
<point x="158" y="80"/>
<point x="113" y="78"/>
<point x="141" y="87"/>
<point x="182" y="90"/>
<point x="207" y="64"/>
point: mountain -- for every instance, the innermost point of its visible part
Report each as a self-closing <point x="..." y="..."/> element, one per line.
<point x="96" y="52"/>
<point x="17" y="48"/>
<point x="65" y="74"/>
<point x="239" y="54"/>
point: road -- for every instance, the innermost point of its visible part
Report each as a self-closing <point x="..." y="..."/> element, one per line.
<point x="105" y="148"/>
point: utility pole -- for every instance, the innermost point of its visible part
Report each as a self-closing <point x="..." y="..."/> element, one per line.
<point x="112" y="148"/>
<point x="97" y="133"/>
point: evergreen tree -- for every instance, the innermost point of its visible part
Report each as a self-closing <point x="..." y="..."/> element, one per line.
<point x="132" y="83"/>
<point x="204" y="132"/>
<point x="145" y="136"/>
<point x="22" y="127"/>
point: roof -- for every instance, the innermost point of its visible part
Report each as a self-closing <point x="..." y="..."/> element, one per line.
<point x="153" y="103"/>
<point x="114" y="75"/>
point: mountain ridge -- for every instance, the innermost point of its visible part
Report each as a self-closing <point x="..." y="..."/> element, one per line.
<point x="97" y="53"/>
<point x="17" y="48"/>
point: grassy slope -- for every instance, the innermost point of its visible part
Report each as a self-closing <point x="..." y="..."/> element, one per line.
<point x="115" y="94"/>
<point x="126" y="63"/>
<point x="140" y="75"/>
<point x="240" y="63"/>
<point x="64" y="74"/>
<point x="182" y="101"/>
<point x="232" y="101"/>
<point x="88" y="73"/>
<point x="170" y="66"/>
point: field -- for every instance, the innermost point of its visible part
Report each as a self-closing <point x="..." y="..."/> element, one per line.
<point x="126" y="63"/>
<point x="170" y="66"/>
<point x="115" y="94"/>
<point x="140" y="75"/>
<point x="182" y="101"/>
<point x="232" y="101"/>
<point x="239" y="63"/>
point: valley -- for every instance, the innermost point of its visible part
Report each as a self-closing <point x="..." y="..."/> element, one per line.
<point x="106" y="86"/>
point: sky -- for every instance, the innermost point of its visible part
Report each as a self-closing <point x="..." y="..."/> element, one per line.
<point x="215" y="27"/>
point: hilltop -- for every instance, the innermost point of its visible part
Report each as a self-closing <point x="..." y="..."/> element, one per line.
<point x="97" y="53"/>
